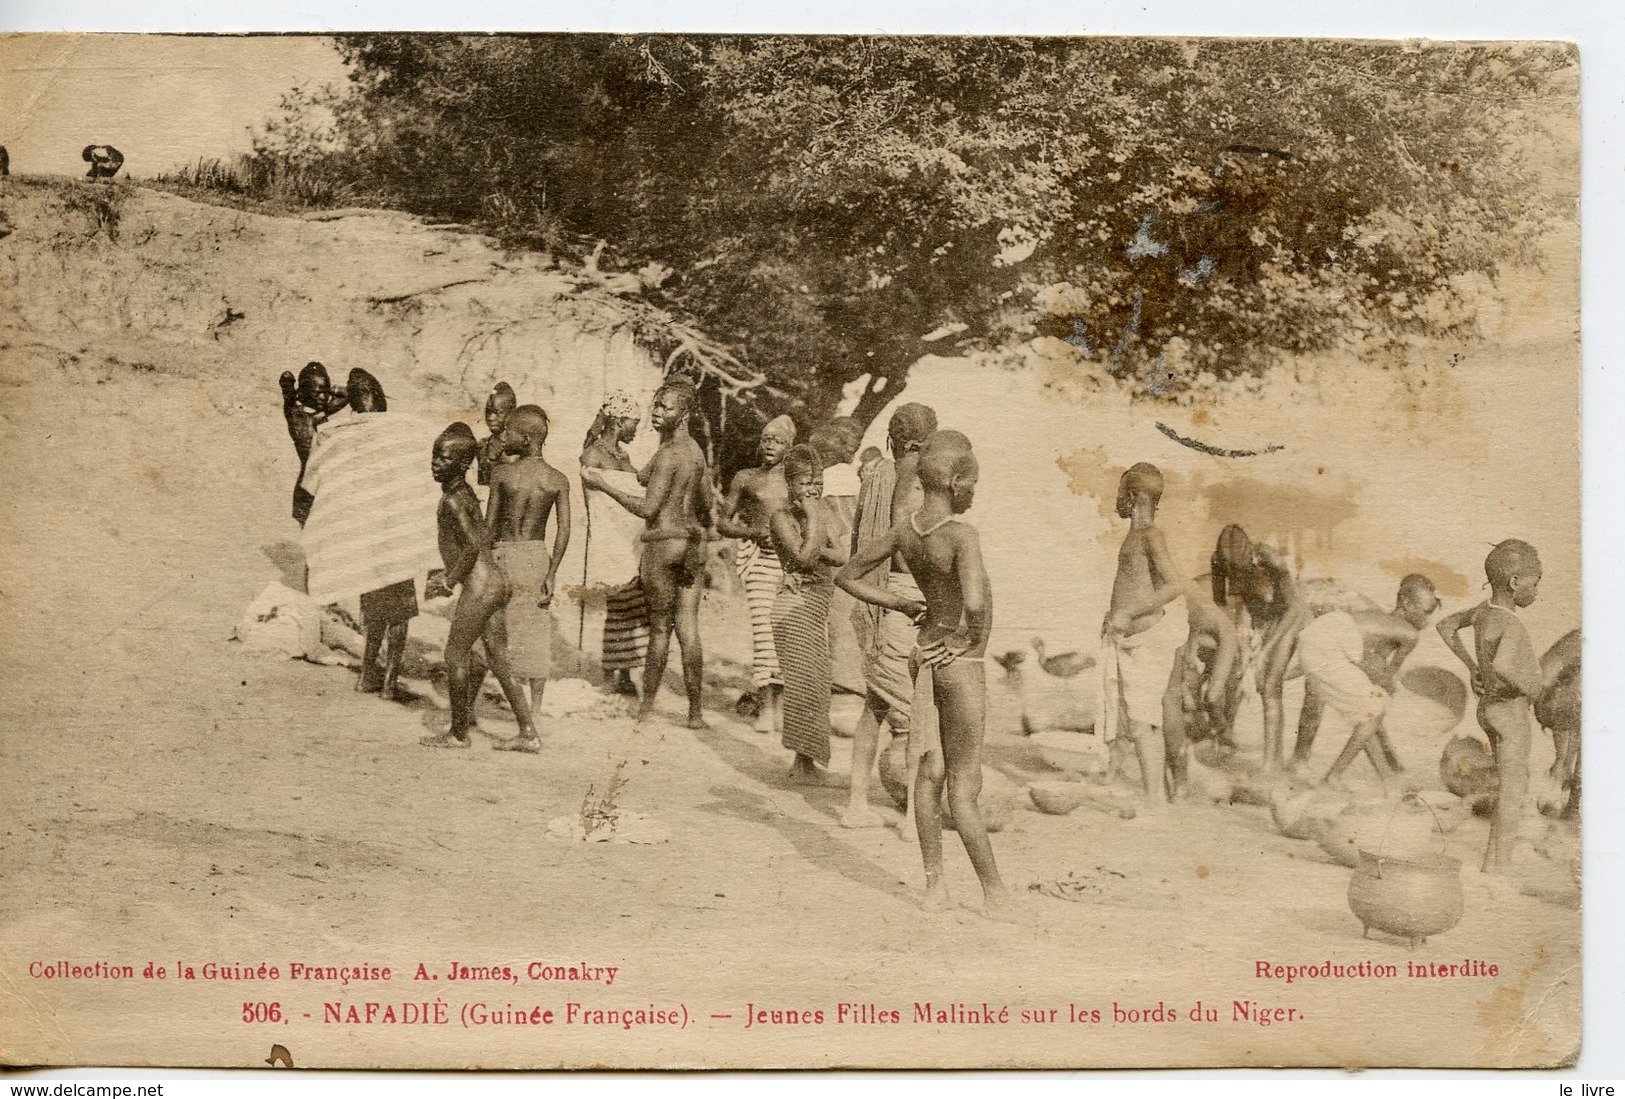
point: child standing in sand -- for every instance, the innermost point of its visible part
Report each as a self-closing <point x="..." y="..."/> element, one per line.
<point x="944" y="555"/>
<point x="485" y="590"/>
<point x="1141" y="639"/>
<point x="801" y="612"/>
<point x="525" y="494"/>
<point x="755" y="495"/>
<point x="1507" y="678"/>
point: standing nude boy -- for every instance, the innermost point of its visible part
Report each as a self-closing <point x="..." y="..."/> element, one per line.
<point x="485" y="591"/>
<point x="1507" y="678"/>
<point x="944" y="555"/>
<point x="524" y="495"/>
<point x="676" y="509"/>
<point x="1141" y="640"/>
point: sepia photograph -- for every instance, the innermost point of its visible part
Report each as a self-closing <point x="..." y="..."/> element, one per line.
<point x="772" y="551"/>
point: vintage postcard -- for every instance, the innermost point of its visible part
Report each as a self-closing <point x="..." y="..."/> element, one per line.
<point x="565" y="551"/>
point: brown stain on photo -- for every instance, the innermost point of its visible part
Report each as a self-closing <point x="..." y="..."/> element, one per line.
<point x="1446" y="580"/>
<point x="1270" y="510"/>
<point x="1512" y="1036"/>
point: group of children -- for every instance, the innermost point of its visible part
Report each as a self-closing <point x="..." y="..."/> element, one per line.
<point x="924" y="609"/>
<point x="1163" y="679"/>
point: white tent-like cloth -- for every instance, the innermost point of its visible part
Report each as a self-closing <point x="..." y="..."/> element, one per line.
<point x="373" y="522"/>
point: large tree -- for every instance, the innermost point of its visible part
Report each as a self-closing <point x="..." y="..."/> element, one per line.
<point x="836" y="207"/>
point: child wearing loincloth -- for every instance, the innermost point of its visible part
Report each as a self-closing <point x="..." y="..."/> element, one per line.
<point x="485" y="591"/>
<point x="944" y="555"/>
<point x="1141" y="638"/>
<point x="1351" y="660"/>
<point x="753" y="497"/>
<point x="525" y="495"/>
<point x="889" y="495"/>
<point x="1507" y="678"/>
<point x="801" y="613"/>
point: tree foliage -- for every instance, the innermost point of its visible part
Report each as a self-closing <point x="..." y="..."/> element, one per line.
<point x="1176" y="211"/>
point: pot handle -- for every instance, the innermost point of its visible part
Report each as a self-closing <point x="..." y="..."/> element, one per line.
<point x="1438" y="825"/>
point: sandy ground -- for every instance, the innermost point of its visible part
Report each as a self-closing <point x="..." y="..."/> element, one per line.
<point x="166" y="795"/>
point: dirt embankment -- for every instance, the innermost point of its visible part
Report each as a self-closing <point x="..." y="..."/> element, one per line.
<point x="166" y="795"/>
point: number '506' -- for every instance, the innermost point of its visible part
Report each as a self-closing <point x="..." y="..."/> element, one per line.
<point x="262" y="1013"/>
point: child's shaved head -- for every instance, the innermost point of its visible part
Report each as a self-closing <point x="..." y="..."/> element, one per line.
<point x="1417" y="590"/>
<point x="802" y="458"/>
<point x="946" y="454"/>
<point x="530" y="421"/>
<point x="1514" y="557"/>
<point x="681" y="388"/>
<point x="457" y="442"/>
<point x="911" y="425"/>
<point x="1143" y="477"/>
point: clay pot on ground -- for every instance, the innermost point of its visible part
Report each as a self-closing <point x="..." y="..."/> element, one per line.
<point x="894" y="771"/>
<point x="1058" y="798"/>
<point x="1298" y="810"/>
<point x="1467" y="769"/>
<point x="1412" y="898"/>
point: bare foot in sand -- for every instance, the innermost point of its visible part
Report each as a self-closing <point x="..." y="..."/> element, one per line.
<point x="696" y="721"/>
<point x="936" y="898"/>
<point x="530" y="745"/>
<point x="907" y="830"/>
<point x="1000" y="905"/>
<point x="861" y="816"/>
<point x="446" y="740"/>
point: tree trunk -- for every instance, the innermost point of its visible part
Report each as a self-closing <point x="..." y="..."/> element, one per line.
<point x="875" y="398"/>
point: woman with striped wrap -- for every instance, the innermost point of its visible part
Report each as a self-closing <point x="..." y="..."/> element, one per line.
<point x="801" y="613"/>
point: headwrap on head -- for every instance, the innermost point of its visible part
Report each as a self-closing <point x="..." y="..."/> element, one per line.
<point x="620" y="405"/>
<point x="781" y="425"/>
